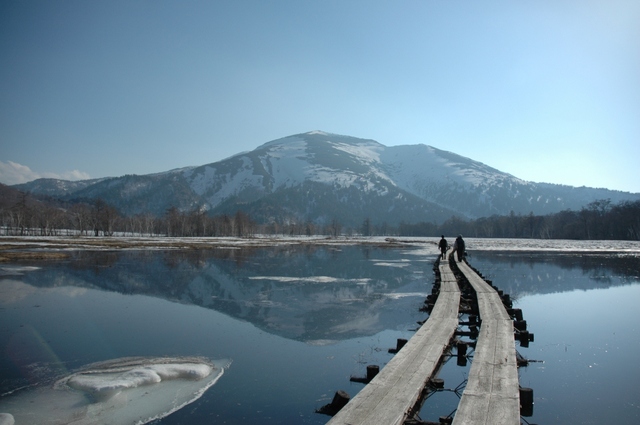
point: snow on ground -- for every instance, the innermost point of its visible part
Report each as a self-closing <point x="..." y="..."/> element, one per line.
<point x="553" y="245"/>
<point x="418" y="245"/>
<point x="162" y="242"/>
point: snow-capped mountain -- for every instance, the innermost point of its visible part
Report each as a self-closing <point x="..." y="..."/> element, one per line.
<point x="319" y="177"/>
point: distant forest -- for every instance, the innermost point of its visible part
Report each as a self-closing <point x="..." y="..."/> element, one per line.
<point x="20" y="214"/>
<point x="599" y="220"/>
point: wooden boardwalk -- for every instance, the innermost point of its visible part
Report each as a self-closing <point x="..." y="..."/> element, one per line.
<point x="492" y="392"/>
<point x="390" y="396"/>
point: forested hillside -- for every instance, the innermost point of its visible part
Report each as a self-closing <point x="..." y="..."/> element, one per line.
<point x="20" y="214"/>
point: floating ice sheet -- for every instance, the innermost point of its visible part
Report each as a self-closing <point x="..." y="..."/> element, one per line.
<point x="392" y="264"/>
<point x="398" y="295"/>
<point x="16" y="271"/>
<point x="311" y="279"/>
<point x="121" y="391"/>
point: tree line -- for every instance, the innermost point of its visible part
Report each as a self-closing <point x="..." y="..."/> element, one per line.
<point x="28" y="217"/>
<point x="599" y="220"/>
<point x="25" y="216"/>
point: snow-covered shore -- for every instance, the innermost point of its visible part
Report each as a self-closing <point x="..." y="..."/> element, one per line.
<point x="473" y="244"/>
<point x="553" y="245"/>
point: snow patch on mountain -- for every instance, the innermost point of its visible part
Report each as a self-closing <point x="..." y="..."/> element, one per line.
<point x="242" y="179"/>
<point x="409" y="166"/>
<point x="200" y="182"/>
<point x="368" y="153"/>
<point x="287" y="163"/>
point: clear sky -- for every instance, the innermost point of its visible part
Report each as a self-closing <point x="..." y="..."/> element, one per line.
<point x="547" y="90"/>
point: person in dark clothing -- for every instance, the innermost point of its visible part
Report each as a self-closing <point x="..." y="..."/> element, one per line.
<point x="443" y="245"/>
<point x="459" y="247"/>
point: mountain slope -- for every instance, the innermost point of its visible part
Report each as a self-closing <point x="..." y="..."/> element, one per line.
<point x="319" y="177"/>
<point x="475" y="190"/>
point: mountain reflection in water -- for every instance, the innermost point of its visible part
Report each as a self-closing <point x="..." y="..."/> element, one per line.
<point x="302" y="293"/>
<point x="318" y="293"/>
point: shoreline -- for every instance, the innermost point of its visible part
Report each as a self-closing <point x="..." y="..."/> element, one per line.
<point x="15" y="248"/>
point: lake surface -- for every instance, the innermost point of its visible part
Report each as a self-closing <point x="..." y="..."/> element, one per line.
<point x="296" y="322"/>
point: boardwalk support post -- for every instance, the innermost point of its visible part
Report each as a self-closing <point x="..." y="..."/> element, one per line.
<point x="524" y="337"/>
<point x="520" y="325"/>
<point x="516" y="313"/>
<point x="340" y="399"/>
<point x="461" y="348"/>
<point x="372" y="371"/>
<point x="436" y="383"/>
<point x="399" y="344"/>
<point x="526" y="401"/>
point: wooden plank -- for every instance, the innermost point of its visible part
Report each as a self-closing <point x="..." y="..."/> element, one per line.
<point x="492" y="392"/>
<point x="387" y="399"/>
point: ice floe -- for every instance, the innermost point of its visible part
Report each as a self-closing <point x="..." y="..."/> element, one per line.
<point x="400" y="264"/>
<point x="398" y="295"/>
<point x="311" y="279"/>
<point x="117" y="392"/>
<point x="16" y="270"/>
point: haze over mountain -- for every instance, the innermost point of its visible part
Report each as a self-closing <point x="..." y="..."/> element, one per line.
<point x="319" y="177"/>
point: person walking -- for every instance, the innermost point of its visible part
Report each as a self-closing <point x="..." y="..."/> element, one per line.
<point x="459" y="247"/>
<point x="443" y="245"/>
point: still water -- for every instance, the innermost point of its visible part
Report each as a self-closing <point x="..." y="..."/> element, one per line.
<point x="296" y="322"/>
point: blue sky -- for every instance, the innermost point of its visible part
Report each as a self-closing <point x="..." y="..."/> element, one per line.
<point x="548" y="91"/>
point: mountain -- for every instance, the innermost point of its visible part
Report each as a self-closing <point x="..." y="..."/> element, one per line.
<point x="320" y="177"/>
<point x="55" y="187"/>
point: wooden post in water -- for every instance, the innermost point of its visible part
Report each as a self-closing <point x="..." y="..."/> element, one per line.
<point x="516" y="313"/>
<point x="340" y="399"/>
<point x="520" y="325"/>
<point x="399" y="344"/>
<point x="461" y="348"/>
<point x="372" y="371"/>
<point x="526" y="401"/>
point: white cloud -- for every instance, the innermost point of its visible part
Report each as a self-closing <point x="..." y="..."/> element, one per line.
<point x="71" y="175"/>
<point x="14" y="173"/>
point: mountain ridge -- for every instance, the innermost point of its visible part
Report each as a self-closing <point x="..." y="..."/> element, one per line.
<point x="319" y="176"/>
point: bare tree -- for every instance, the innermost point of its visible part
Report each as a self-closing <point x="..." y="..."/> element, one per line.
<point x="335" y="228"/>
<point x="22" y="214"/>
<point x="81" y="217"/>
<point x="103" y="218"/>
